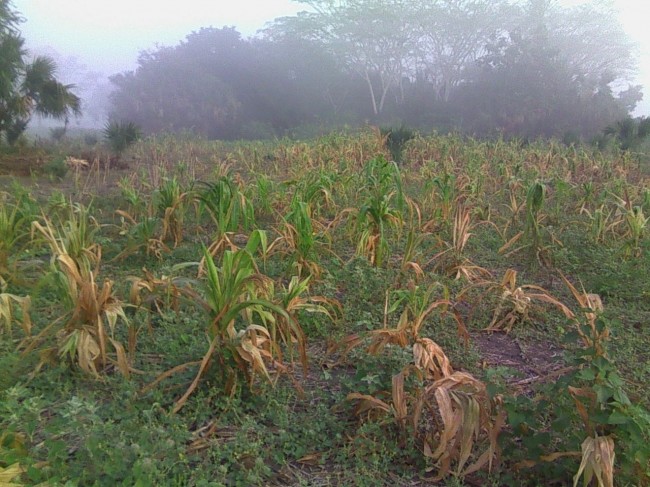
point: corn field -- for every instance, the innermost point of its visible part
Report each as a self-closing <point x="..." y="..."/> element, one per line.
<point x="314" y="313"/>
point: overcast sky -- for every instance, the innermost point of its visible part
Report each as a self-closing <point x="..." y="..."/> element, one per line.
<point x="107" y="35"/>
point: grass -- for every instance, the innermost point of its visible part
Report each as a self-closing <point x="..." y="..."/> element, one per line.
<point x="291" y="349"/>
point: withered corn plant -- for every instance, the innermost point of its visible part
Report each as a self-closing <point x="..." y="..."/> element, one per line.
<point x="514" y="301"/>
<point x="85" y="330"/>
<point x="448" y="413"/>
<point x="142" y="235"/>
<point x="452" y="261"/>
<point x="8" y="315"/>
<point x="171" y="202"/>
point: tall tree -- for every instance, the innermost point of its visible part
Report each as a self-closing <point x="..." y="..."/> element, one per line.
<point x="452" y="35"/>
<point x="549" y="75"/>
<point x="27" y="87"/>
<point x="373" y="38"/>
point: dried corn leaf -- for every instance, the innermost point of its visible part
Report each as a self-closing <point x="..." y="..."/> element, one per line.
<point x="8" y="474"/>
<point x="367" y="403"/>
<point x="431" y="359"/>
<point x="7" y="312"/>
<point x="597" y="460"/>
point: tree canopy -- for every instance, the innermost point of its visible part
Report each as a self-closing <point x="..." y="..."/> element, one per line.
<point x="27" y="87"/>
<point x="484" y="67"/>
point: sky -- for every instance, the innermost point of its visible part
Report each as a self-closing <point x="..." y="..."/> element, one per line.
<point x="107" y="35"/>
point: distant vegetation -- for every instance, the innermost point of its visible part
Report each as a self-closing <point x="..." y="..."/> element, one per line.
<point x="483" y="67"/>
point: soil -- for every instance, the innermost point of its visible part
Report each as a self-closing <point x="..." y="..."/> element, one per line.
<point x="534" y="361"/>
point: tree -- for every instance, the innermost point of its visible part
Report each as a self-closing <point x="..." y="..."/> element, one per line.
<point x="549" y="75"/>
<point x="27" y="87"/>
<point x="452" y="37"/>
<point x="217" y="84"/>
<point x="373" y="38"/>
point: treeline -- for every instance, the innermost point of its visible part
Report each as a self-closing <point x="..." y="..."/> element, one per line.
<point x="484" y="67"/>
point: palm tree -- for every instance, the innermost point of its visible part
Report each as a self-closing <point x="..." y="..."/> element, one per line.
<point x="27" y="88"/>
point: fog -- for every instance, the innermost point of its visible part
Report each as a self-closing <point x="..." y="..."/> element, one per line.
<point x="94" y="40"/>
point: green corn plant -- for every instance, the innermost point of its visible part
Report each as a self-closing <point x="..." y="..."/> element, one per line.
<point x="265" y="188"/>
<point x="142" y="236"/>
<point x="134" y="198"/>
<point x="246" y="329"/>
<point x="412" y="254"/>
<point x="374" y="216"/>
<point x="535" y="197"/>
<point x="588" y="195"/>
<point x="444" y="187"/>
<point x="600" y="222"/>
<point x="13" y="230"/>
<point x="534" y="232"/>
<point x="645" y="204"/>
<point x="17" y="211"/>
<point x="293" y="298"/>
<point x="637" y="223"/>
<point x="316" y="190"/>
<point x="381" y="209"/>
<point x="229" y="208"/>
<point x="300" y="241"/>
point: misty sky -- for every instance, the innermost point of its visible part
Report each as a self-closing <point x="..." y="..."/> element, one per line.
<point x="108" y="35"/>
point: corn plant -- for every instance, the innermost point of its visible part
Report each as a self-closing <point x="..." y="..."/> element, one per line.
<point x="417" y="305"/>
<point x="597" y="460"/>
<point x="444" y="193"/>
<point x="87" y="326"/>
<point x="514" y="301"/>
<point x="15" y="219"/>
<point x="315" y="189"/>
<point x="142" y="235"/>
<point x="155" y="295"/>
<point x="452" y="260"/>
<point x="601" y="222"/>
<point x="8" y="313"/>
<point x="293" y="299"/>
<point x="382" y="208"/>
<point x="413" y="253"/>
<point x="131" y="195"/>
<point x="534" y="231"/>
<point x="73" y="236"/>
<point x="448" y="413"/>
<point x="468" y="421"/>
<point x="300" y="241"/>
<point x="264" y="189"/>
<point x="229" y="209"/>
<point x="637" y="223"/>
<point x="170" y="200"/>
<point x="602" y="403"/>
<point x="246" y="329"/>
